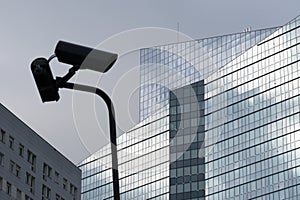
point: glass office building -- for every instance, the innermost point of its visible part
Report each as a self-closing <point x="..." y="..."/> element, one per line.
<point x="219" y="120"/>
<point x="257" y="156"/>
<point x="164" y="68"/>
<point x="143" y="154"/>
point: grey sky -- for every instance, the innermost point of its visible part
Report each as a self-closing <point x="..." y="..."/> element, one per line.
<point x="31" y="29"/>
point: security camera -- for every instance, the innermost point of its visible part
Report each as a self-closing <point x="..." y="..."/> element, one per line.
<point x="84" y="57"/>
<point x="79" y="57"/>
<point x="44" y="80"/>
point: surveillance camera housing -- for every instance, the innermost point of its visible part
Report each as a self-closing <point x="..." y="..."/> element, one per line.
<point x="44" y="80"/>
<point x="85" y="57"/>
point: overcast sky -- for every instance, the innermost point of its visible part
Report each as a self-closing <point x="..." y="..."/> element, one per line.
<point x="30" y="29"/>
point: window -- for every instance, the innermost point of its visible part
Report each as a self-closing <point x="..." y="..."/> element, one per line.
<point x="18" y="170"/>
<point x="47" y="170"/>
<point x="1" y="159"/>
<point x="65" y="182"/>
<point x="2" y="136"/>
<point x="19" y="194"/>
<point x="31" y="158"/>
<point x="11" y="142"/>
<point x="1" y="183"/>
<point x="56" y="177"/>
<point x="8" y="188"/>
<point x="12" y="166"/>
<point x="73" y="190"/>
<point x="30" y="180"/>
<point x="28" y="197"/>
<point x="46" y="193"/>
<point x="21" y="150"/>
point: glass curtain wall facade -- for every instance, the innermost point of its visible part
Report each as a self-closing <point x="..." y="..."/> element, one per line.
<point x="164" y="68"/>
<point x="257" y="156"/>
<point x="143" y="154"/>
<point x="187" y="132"/>
<point x="228" y="130"/>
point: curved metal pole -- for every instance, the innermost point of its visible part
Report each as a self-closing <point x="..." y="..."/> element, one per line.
<point x="112" y="128"/>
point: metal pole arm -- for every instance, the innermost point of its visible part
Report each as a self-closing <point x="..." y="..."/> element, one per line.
<point x="112" y="126"/>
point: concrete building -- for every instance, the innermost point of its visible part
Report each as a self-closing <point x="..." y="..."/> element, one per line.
<point x="219" y="120"/>
<point x="30" y="168"/>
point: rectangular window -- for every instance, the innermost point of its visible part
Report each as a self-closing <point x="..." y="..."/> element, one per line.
<point x="46" y="193"/>
<point x="65" y="182"/>
<point x="8" y="188"/>
<point x="2" y="136"/>
<point x="11" y="166"/>
<point x="11" y="142"/>
<point x="18" y="171"/>
<point x="14" y="168"/>
<point x="56" y="178"/>
<point x="31" y="158"/>
<point x="28" y="197"/>
<point x="1" y="159"/>
<point x="30" y="180"/>
<point x="73" y="190"/>
<point x="19" y="194"/>
<point x="47" y="171"/>
<point x="1" y="183"/>
<point x="21" y="150"/>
